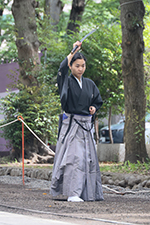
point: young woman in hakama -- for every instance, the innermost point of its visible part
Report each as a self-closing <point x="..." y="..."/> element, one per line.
<point x="76" y="172"/>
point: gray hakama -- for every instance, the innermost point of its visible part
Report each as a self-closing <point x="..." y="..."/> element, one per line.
<point x="76" y="169"/>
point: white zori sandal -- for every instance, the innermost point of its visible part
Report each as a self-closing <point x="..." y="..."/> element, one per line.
<point x="75" y="199"/>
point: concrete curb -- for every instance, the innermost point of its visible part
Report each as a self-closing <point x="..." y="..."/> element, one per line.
<point x="114" y="152"/>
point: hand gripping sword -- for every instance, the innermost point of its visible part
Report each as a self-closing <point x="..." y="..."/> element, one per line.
<point x="73" y="50"/>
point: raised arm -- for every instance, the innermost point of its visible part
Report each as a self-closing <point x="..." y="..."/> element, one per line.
<point x="70" y="56"/>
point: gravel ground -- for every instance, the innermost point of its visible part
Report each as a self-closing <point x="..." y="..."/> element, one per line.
<point x="29" y="182"/>
<point x="33" y="198"/>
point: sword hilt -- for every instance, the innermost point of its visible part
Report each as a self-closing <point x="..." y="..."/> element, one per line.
<point x="75" y="48"/>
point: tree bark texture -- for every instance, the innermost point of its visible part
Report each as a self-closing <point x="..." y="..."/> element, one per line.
<point x="35" y="152"/>
<point x="53" y="10"/>
<point x="132" y="13"/>
<point x="26" y="40"/>
<point x="109" y="126"/>
<point x="96" y="129"/>
<point x="75" y="16"/>
<point x="1" y="13"/>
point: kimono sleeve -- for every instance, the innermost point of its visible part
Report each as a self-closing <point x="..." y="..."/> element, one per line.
<point x="62" y="81"/>
<point x="97" y="99"/>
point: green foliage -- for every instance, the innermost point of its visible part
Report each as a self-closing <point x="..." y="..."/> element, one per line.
<point x="39" y="107"/>
<point x="147" y="54"/>
<point x="106" y="12"/>
<point x="105" y="69"/>
<point x="5" y="160"/>
<point x="127" y="167"/>
<point x="54" y="48"/>
<point x="7" y="37"/>
<point x="103" y="51"/>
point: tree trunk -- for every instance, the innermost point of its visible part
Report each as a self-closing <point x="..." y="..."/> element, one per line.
<point x="53" y="10"/>
<point x="132" y="14"/>
<point x="109" y="126"/>
<point x="1" y="13"/>
<point x="75" y="16"/>
<point x="96" y="129"/>
<point x="35" y="152"/>
<point x="26" y="40"/>
<point x="29" y="62"/>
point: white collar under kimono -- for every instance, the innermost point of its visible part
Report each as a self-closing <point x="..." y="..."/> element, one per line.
<point x="79" y="82"/>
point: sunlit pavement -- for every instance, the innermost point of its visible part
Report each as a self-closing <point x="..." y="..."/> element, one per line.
<point x="106" y="219"/>
<point x="17" y="219"/>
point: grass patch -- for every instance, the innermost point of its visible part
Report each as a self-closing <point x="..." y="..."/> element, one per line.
<point x="5" y="159"/>
<point x="127" y="167"/>
<point x="7" y="162"/>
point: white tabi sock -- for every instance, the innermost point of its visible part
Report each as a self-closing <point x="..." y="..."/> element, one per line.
<point x="75" y="199"/>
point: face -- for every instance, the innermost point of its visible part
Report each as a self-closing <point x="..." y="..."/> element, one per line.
<point x="78" y="67"/>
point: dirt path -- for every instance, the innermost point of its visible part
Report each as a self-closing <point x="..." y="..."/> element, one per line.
<point x="125" y="209"/>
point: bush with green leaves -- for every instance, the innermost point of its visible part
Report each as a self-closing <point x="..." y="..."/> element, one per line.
<point x="39" y="108"/>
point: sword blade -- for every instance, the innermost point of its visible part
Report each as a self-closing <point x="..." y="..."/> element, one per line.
<point x="73" y="50"/>
<point x="87" y="35"/>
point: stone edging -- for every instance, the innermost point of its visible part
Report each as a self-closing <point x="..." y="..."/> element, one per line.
<point x="132" y="181"/>
<point x="43" y="174"/>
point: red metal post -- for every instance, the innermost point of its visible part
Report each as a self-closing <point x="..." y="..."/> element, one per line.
<point x="22" y="149"/>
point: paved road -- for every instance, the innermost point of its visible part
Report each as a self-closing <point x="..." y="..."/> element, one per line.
<point x="17" y="219"/>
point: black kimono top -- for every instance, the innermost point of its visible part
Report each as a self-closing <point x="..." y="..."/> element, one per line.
<point x="74" y="99"/>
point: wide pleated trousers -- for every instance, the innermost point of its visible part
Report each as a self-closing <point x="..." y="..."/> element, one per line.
<point x="76" y="169"/>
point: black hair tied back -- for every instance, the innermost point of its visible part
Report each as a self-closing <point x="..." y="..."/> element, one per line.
<point x="76" y="56"/>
